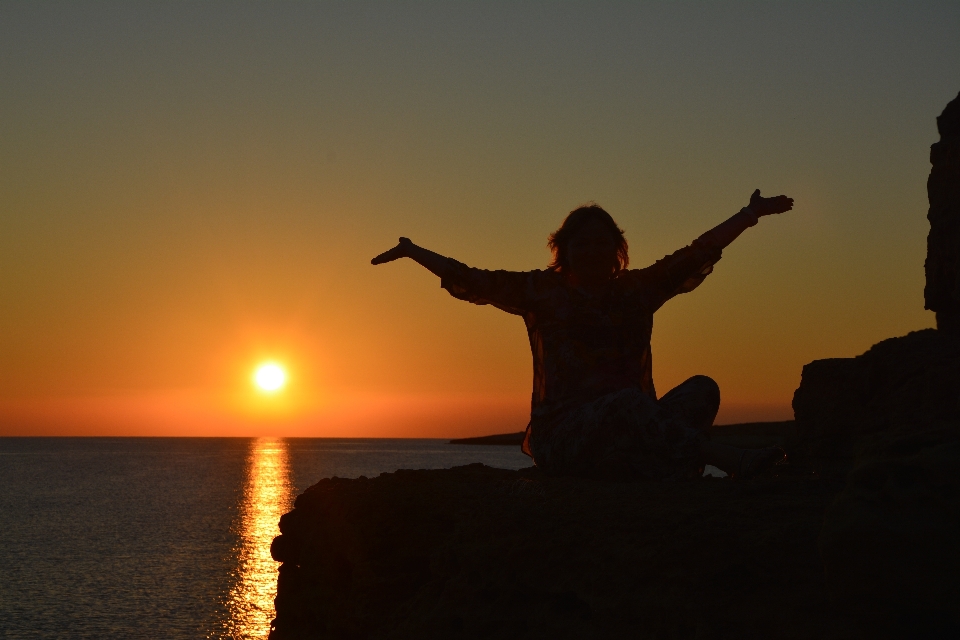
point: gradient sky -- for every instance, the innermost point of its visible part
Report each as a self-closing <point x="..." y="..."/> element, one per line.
<point x="187" y="189"/>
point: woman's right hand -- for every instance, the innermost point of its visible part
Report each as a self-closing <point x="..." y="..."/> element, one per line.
<point x="402" y="250"/>
<point x="769" y="206"/>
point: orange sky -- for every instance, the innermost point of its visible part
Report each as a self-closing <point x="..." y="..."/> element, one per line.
<point x="187" y="190"/>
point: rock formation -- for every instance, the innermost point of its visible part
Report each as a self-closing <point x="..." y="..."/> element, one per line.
<point x="889" y="541"/>
<point x="912" y="381"/>
<point x="942" y="292"/>
<point x="476" y="552"/>
<point x="891" y="418"/>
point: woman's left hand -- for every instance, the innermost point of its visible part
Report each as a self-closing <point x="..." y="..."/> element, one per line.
<point x="768" y="206"/>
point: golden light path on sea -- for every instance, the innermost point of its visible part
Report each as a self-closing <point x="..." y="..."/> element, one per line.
<point x="266" y="496"/>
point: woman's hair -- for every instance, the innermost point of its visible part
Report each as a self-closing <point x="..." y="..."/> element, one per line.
<point x="572" y="224"/>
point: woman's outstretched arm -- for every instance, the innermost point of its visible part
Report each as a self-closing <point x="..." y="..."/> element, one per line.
<point x="507" y="290"/>
<point x="726" y="232"/>
<point x="434" y="262"/>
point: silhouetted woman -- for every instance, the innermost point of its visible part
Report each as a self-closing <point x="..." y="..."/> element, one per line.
<point x="595" y="412"/>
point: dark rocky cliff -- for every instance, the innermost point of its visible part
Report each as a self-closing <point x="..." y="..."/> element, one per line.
<point x="475" y="552"/>
<point x="888" y="422"/>
<point x="907" y="382"/>
<point x="942" y="293"/>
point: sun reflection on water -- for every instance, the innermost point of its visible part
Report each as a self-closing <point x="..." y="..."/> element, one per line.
<point x="266" y="496"/>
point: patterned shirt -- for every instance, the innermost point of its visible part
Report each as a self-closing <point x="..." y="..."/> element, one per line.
<point x="585" y="345"/>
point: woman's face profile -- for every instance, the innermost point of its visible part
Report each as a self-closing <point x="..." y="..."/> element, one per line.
<point x="592" y="252"/>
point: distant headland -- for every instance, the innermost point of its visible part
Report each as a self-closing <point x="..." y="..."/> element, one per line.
<point x="495" y="439"/>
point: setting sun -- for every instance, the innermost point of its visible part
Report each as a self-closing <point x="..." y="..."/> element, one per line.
<point x="270" y="377"/>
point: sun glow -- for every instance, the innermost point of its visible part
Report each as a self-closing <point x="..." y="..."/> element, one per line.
<point x="270" y="377"/>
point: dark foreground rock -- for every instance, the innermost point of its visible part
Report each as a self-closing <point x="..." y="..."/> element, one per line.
<point x="476" y="552"/>
<point x="891" y="541"/>
<point x="909" y="382"/>
<point x="887" y="424"/>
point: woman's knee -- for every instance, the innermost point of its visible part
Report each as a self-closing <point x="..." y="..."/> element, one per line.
<point x="706" y="388"/>
<point x="698" y="389"/>
<point x="697" y="398"/>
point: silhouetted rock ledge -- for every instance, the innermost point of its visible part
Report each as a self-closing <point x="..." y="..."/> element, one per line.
<point x="910" y="382"/>
<point x="887" y="423"/>
<point x="478" y="552"/>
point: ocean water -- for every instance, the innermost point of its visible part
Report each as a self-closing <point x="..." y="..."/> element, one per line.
<point x="168" y="537"/>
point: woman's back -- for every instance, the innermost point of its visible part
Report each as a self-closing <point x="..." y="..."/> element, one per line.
<point x="585" y="343"/>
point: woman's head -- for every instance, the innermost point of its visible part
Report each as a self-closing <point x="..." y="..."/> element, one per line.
<point x="588" y="243"/>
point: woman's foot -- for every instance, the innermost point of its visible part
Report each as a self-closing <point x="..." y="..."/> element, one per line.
<point x="755" y="461"/>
